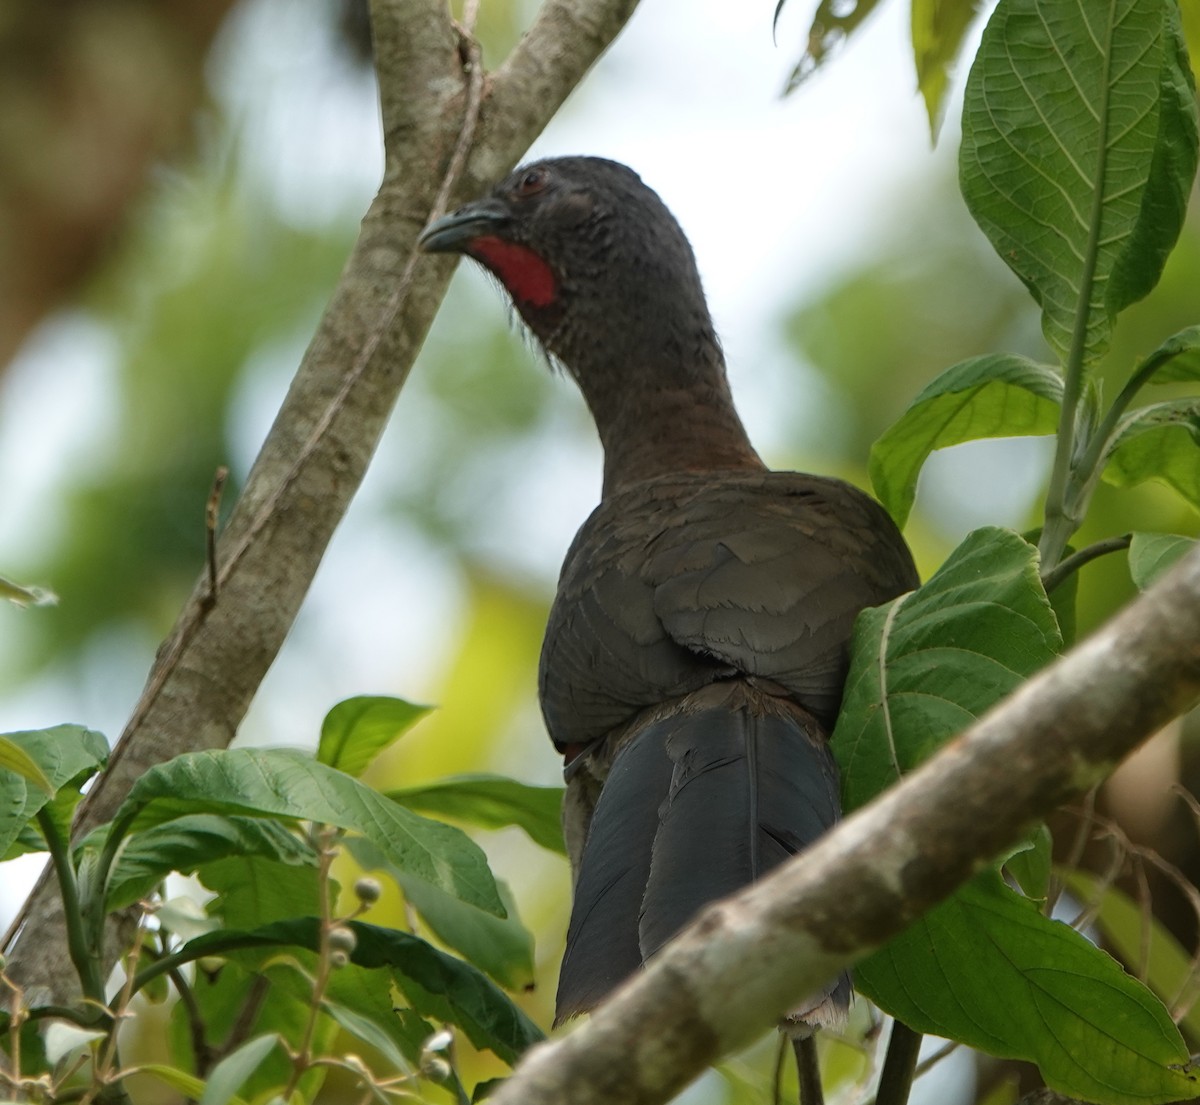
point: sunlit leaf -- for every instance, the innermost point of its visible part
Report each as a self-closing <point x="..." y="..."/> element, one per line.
<point x="1160" y="442"/>
<point x="998" y="395"/>
<point x="14" y="758"/>
<point x="988" y="969"/>
<point x="928" y="664"/>
<point x="355" y="731"/>
<point x="280" y="783"/>
<point x="492" y="802"/>
<point x="1151" y="554"/>
<point x="1080" y="176"/>
<point x="938" y="30"/>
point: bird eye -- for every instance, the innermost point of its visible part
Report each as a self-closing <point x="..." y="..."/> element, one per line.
<point x="532" y="182"/>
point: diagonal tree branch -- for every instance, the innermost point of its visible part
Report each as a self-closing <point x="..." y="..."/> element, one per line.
<point x="745" y="961"/>
<point x="209" y="668"/>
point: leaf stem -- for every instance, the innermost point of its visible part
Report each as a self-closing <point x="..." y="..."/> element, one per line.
<point x="1077" y="560"/>
<point x="81" y="944"/>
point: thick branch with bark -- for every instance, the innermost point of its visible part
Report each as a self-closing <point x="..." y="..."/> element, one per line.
<point x="209" y="668"/>
<point x="732" y="975"/>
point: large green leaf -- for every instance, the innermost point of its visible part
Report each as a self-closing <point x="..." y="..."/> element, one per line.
<point x="189" y="842"/>
<point x="1159" y="442"/>
<point x="926" y="665"/>
<point x="355" y="731"/>
<point x="62" y="756"/>
<point x="492" y="802"/>
<point x="998" y="395"/>
<point x="437" y="984"/>
<point x="1151" y="554"/>
<point x="280" y="783"/>
<point x="1078" y="152"/>
<point x="987" y="969"/>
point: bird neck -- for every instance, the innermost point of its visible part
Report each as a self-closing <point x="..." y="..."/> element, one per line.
<point x="661" y="416"/>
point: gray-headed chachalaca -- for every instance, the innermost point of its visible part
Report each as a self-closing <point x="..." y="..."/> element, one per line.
<point x="696" y="651"/>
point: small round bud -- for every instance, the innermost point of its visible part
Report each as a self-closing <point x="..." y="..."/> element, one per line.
<point x="435" y="1068"/>
<point x="367" y="890"/>
<point x="338" y="958"/>
<point x="342" y="939"/>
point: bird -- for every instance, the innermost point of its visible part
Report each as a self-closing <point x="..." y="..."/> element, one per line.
<point x="697" y="646"/>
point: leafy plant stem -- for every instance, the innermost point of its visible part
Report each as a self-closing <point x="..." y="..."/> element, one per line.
<point x="1077" y="560"/>
<point x="303" y="1058"/>
<point x="1064" y="507"/>
<point x="81" y="946"/>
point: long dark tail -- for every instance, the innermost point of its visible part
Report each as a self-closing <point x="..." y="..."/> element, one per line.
<point x="706" y="795"/>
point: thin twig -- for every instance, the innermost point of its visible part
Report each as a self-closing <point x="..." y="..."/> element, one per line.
<point x="211" y="516"/>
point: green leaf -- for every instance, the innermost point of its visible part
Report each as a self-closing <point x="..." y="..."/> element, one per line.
<point x="14" y="758"/>
<point x="355" y="731"/>
<point x="437" y="984"/>
<point x="279" y="783"/>
<point x="1159" y="442"/>
<point x="987" y="969"/>
<point x="366" y="1030"/>
<point x="252" y="891"/>
<point x="833" y="22"/>
<point x="1169" y="968"/>
<point x="1176" y="360"/>
<point x="1030" y="864"/>
<point x="492" y="802"/>
<point x="187" y="1084"/>
<point x="65" y="755"/>
<point x="232" y="1072"/>
<point x="189" y="842"/>
<point x="938" y="29"/>
<point x="284" y="999"/>
<point x="1078" y="153"/>
<point x="502" y="947"/>
<point x="998" y="395"/>
<point x="1151" y="554"/>
<point x="925" y="666"/>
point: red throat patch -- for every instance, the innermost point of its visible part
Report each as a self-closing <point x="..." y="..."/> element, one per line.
<point x="526" y="276"/>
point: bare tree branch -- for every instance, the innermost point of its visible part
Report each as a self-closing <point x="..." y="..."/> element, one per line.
<point x="209" y="668"/>
<point x="744" y="962"/>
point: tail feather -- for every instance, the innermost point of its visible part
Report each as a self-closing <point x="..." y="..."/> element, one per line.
<point x="602" y="939"/>
<point x="705" y="797"/>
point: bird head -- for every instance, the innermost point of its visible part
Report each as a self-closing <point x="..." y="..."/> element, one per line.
<point x="584" y="249"/>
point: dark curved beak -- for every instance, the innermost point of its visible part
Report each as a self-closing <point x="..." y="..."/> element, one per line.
<point x="452" y="233"/>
